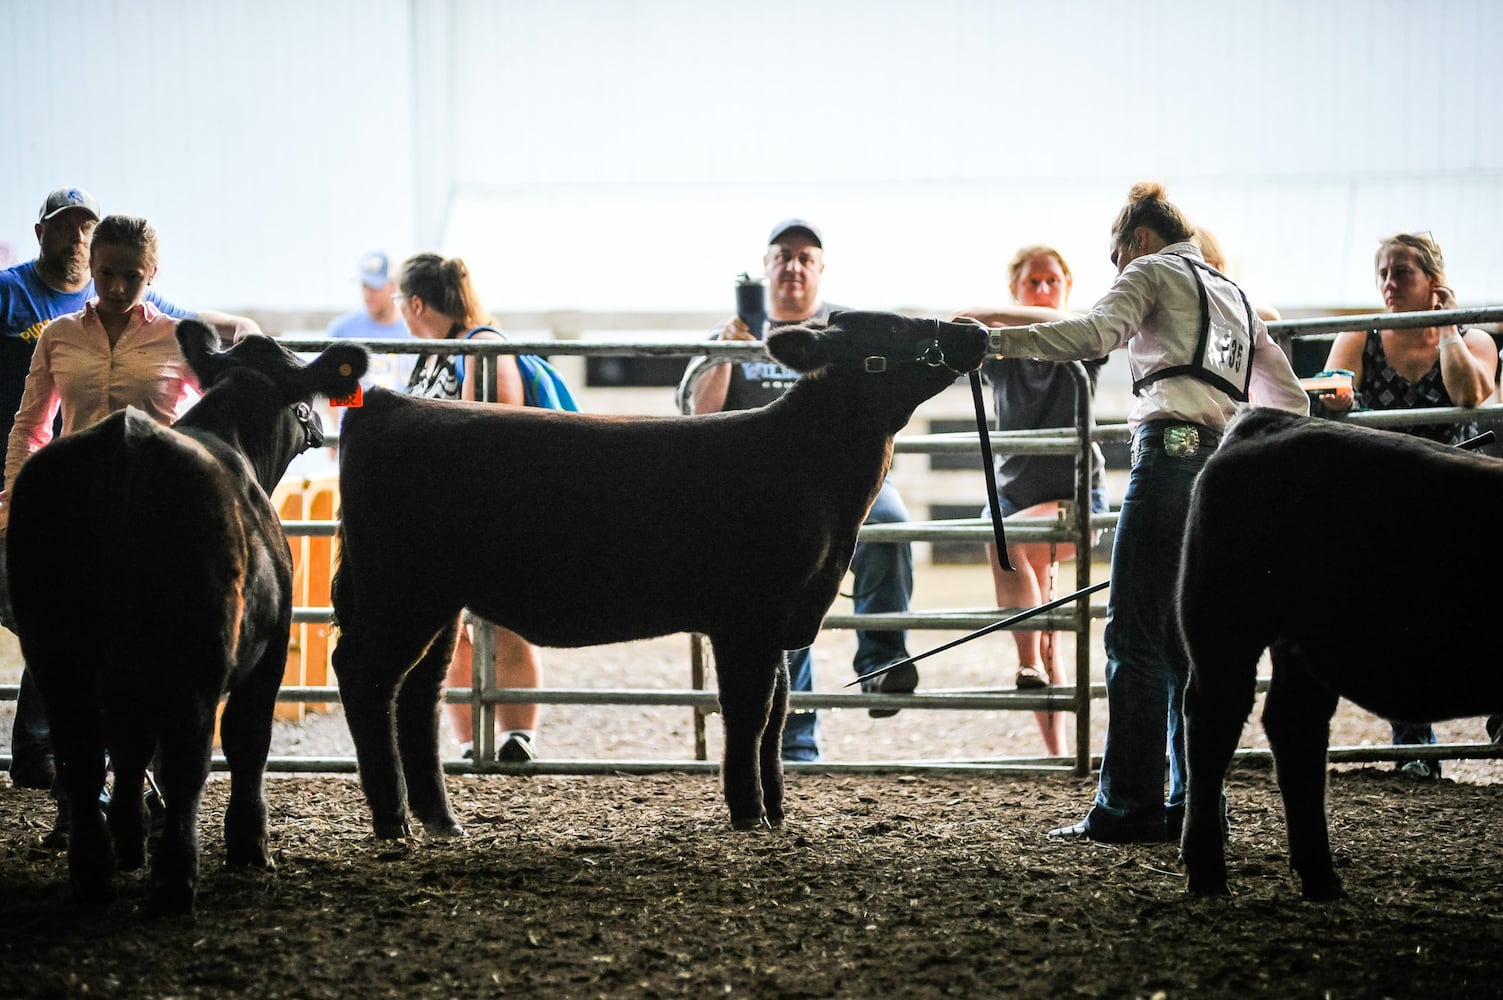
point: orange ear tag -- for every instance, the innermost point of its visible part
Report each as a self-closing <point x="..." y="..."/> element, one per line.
<point x="356" y="398"/>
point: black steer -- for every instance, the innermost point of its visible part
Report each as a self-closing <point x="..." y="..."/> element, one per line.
<point x="1301" y="540"/>
<point x="149" y="576"/>
<point x="575" y="530"/>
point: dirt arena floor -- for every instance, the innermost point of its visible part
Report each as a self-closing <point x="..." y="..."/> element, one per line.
<point x="928" y="884"/>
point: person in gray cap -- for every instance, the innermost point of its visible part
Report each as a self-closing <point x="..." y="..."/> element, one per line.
<point x="33" y="294"/>
<point x="794" y="265"/>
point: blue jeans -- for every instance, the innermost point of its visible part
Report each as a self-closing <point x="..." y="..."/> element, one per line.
<point x="883" y="574"/>
<point x="1413" y="732"/>
<point x="30" y="736"/>
<point x="1147" y="666"/>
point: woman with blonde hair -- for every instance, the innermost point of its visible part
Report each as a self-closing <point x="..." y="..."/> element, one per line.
<point x="1030" y="395"/>
<point x="438" y="301"/>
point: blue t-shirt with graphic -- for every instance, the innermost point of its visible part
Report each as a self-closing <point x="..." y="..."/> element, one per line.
<point x="362" y="325"/>
<point x="27" y="303"/>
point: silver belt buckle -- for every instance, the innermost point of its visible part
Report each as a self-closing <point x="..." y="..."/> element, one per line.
<point x="1182" y="441"/>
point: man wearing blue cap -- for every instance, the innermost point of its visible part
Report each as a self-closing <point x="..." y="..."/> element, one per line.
<point x="33" y="294"/>
<point x="794" y="264"/>
<point x="379" y="320"/>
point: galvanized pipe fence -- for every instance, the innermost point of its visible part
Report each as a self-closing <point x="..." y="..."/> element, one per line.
<point x="1075" y="525"/>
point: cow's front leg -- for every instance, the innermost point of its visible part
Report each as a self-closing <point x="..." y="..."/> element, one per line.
<point x="131" y="746"/>
<point x="772" y="747"/>
<point x="418" y="706"/>
<point x="1297" y="718"/>
<point x="245" y="731"/>
<point x="126" y="815"/>
<point x="747" y="672"/>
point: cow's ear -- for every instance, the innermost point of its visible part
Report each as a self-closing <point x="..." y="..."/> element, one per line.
<point x="200" y="346"/>
<point x="802" y="348"/>
<point x="337" y="371"/>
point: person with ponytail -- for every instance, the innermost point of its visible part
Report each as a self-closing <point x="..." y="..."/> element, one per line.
<point x="1197" y="352"/>
<point x="438" y="301"/>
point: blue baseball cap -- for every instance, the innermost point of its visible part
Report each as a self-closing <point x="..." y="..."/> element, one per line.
<point x="374" y="270"/>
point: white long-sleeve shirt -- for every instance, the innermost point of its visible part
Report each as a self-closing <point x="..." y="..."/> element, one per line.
<point x="1154" y="309"/>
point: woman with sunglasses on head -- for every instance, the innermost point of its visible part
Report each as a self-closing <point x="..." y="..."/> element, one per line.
<point x="1414" y="367"/>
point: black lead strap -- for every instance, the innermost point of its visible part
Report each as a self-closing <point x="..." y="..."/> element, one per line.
<point x="987" y="630"/>
<point x="984" y="432"/>
<point x="1022" y="615"/>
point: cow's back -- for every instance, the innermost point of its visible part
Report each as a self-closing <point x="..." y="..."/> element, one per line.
<point x="1339" y="541"/>
<point x="124" y="523"/>
<point x="646" y="501"/>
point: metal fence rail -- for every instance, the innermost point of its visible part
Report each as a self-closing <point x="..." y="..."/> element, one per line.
<point x="1076" y="528"/>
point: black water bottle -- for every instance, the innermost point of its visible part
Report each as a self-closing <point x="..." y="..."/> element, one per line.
<point x="751" y="303"/>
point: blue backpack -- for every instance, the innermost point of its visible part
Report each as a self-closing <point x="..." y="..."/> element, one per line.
<point x="541" y="384"/>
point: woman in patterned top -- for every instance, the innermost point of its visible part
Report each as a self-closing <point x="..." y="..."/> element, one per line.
<point x="1424" y="366"/>
<point x="1417" y="367"/>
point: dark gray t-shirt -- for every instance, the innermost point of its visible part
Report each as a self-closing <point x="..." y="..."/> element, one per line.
<point x="757" y="383"/>
<point x="1029" y="395"/>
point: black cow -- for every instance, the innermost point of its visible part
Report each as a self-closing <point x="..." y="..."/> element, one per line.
<point x="1301" y="540"/>
<point x="575" y="530"/>
<point x="149" y="576"/>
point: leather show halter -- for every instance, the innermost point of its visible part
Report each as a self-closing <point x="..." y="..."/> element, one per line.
<point x="930" y="352"/>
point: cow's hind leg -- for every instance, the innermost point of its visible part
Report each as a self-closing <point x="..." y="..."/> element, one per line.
<point x="1297" y="718"/>
<point x="371" y="658"/>
<point x="418" y="707"/>
<point x="1217" y="703"/>
<point x="78" y="745"/>
<point x="747" y="673"/>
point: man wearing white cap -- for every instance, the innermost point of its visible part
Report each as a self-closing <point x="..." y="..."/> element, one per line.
<point x="33" y="294"/>
<point x="883" y="572"/>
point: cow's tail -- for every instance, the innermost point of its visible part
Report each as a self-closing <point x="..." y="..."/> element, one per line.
<point x="1218" y="611"/>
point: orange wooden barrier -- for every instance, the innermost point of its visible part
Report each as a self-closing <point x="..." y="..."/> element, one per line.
<point x="312" y="568"/>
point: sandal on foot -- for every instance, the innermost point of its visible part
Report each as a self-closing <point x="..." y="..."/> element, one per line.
<point x="1031" y="675"/>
